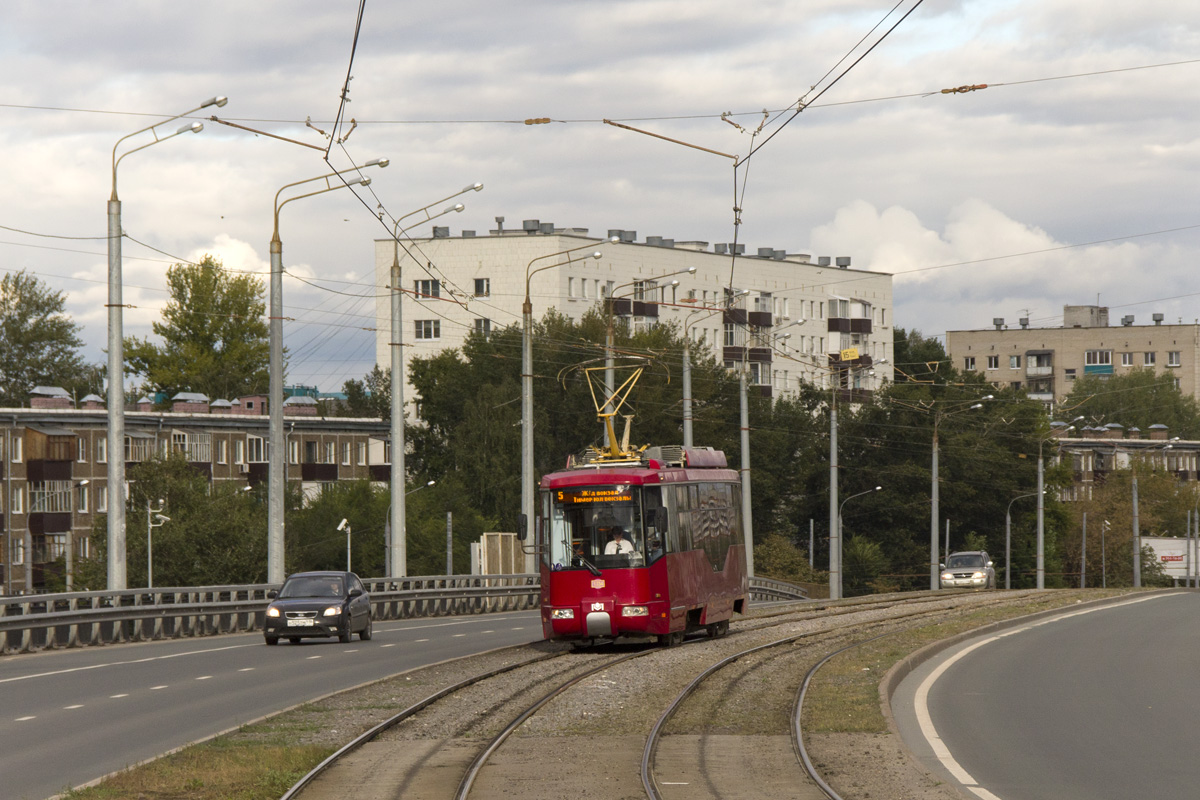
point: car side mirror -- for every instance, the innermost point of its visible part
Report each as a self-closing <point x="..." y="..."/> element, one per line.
<point x="941" y="566"/>
<point x="990" y="563"/>
<point x="272" y="594"/>
<point x="522" y="527"/>
<point x="356" y="592"/>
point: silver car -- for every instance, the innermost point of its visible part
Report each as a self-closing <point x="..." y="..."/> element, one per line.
<point x="968" y="570"/>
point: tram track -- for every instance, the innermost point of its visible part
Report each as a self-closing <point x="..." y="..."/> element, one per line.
<point x="464" y="739"/>
<point x="688" y="764"/>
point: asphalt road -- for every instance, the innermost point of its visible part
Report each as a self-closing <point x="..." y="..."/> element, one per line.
<point x="1093" y="705"/>
<point x="69" y="717"/>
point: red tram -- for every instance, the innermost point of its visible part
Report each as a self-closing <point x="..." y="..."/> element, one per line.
<point x="641" y="543"/>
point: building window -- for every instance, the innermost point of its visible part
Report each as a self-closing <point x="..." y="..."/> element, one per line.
<point x="18" y="551"/>
<point x="82" y="449"/>
<point x="483" y="287"/>
<point x="429" y="328"/>
<point x="1069" y="374"/>
<point x="1173" y="358"/>
<point x="16" y="449"/>
<point x="608" y="288"/>
<point x="427" y="288"/>
<point x="102" y="450"/>
<point x="362" y="454"/>
<point x="257" y="447"/>
<point x="483" y="326"/>
<point x="82" y="504"/>
<point x="239" y="451"/>
<point x="1094" y="358"/>
<point x="18" y="500"/>
<point x="969" y="362"/>
<point x="993" y="362"/>
<point x="571" y="287"/>
<point x="1148" y="359"/>
<point x="328" y="454"/>
<point x="345" y="454"/>
<point x="729" y="334"/>
<point x="1016" y="384"/>
<point x="293" y="452"/>
<point x="1126" y="359"/>
<point x="222" y="451"/>
<point x="1014" y="362"/>
<point x="101" y="499"/>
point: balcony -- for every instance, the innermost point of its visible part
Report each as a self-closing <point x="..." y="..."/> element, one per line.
<point x="1032" y="371"/>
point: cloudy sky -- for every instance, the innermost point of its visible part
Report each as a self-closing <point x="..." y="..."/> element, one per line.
<point x="1071" y="178"/>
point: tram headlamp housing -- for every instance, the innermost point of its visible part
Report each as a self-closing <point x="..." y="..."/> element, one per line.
<point x="635" y="611"/>
<point x="562" y="613"/>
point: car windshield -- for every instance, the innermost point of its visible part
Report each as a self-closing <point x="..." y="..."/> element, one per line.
<point x="965" y="561"/>
<point x="312" y="586"/>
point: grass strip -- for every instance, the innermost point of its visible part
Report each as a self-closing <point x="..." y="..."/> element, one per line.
<point x="843" y="696"/>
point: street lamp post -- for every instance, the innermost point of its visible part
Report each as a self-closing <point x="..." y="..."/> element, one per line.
<point x="150" y="526"/>
<point x="116" y="351"/>
<point x="938" y="417"/>
<point x="277" y="443"/>
<point x="396" y="549"/>
<point x="1008" y="539"/>
<point x="527" y="383"/>
<point x="839" y="534"/>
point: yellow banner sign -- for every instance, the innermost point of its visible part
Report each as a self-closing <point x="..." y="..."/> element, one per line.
<point x="850" y="354"/>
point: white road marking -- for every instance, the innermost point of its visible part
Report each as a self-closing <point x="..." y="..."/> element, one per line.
<point x="313" y="658"/>
<point x="921" y="701"/>
<point x="123" y="663"/>
<point x="420" y="640"/>
<point x="458" y="636"/>
<point x="204" y="677"/>
<point x="24" y="719"/>
<point x="388" y="645"/>
<point x="72" y="708"/>
<point x="246" y="669"/>
<point x="156" y="688"/>
<point x="117" y="696"/>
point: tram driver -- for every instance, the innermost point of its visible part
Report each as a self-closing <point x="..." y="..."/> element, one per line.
<point x="618" y="545"/>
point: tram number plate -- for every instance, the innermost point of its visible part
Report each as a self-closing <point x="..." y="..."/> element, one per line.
<point x="300" y="623"/>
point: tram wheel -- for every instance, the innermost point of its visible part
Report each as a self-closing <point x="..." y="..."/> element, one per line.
<point x="671" y="639"/>
<point x="718" y="629"/>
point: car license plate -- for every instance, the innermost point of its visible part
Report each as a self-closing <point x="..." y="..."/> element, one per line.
<point x="300" y="623"/>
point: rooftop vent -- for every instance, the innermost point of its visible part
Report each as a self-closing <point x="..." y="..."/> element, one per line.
<point x="998" y="322"/>
<point x="766" y="252"/>
<point x="628" y="236"/>
<point x="720" y="248"/>
<point x="779" y="255"/>
<point x="738" y="249"/>
<point x="440" y="232"/>
<point x="1024" y="322"/>
<point x="1158" y="318"/>
<point x="530" y="225"/>
<point x="468" y="234"/>
<point x="654" y="241"/>
<point x="1127" y="320"/>
<point x="823" y="261"/>
<point x="842" y="262"/>
<point x="499" y="224"/>
<point x="546" y="227"/>
<point x="615" y="233"/>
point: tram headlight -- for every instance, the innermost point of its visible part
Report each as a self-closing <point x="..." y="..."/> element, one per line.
<point x="635" y="611"/>
<point x="562" y="613"/>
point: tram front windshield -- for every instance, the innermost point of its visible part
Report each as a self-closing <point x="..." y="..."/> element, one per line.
<point x="594" y="527"/>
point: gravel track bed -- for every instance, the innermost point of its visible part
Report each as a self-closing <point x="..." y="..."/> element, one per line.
<point x="623" y="702"/>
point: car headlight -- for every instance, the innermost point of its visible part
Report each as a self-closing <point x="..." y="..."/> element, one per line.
<point x="977" y="575"/>
<point x="634" y="611"/>
<point x="272" y="611"/>
<point x="562" y="613"/>
<point x="946" y="576"/>
<point x="332" y="611"/>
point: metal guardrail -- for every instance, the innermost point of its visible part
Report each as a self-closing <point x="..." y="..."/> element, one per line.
<point x="30" y="623"/>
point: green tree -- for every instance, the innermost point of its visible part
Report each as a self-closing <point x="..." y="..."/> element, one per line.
<point x="369" y="397"/>
<point x="918" y="358"/>
<point x="1139" y="398"/>
<point x="216" y="534"/>
<point x="214" y="335"/>
<point x="313" y="538"/>
<point x="39" y="342"/>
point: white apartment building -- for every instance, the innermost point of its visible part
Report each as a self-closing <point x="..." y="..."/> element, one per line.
<point x="789" y="320"/>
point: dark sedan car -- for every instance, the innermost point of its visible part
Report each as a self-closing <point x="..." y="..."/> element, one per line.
<point x="318" y="604"/>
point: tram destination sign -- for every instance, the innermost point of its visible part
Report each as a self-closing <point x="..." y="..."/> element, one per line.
<point x="595" y="494"/>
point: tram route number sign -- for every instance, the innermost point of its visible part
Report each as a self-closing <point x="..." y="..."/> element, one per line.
<point x="603" y="494"/>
